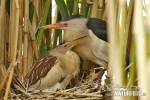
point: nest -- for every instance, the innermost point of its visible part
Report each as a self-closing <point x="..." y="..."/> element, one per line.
<point x="88" y="88"/>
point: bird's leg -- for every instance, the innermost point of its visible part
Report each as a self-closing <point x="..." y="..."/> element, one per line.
<point x="101" y="73"/>
<point x="97" y="73"/>
<point x="100" y="70"/>
<point x="85" y="65"/>
<point x="63" y="84"/>
<point x="85" y="68"/>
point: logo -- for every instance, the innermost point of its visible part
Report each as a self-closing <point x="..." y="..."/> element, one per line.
<point x="118" y="90"/>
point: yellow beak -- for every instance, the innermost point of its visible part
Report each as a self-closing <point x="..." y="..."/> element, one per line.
<point x="74" y="42"/>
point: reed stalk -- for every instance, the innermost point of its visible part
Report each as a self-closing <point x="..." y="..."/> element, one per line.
<point x="4" y="78"/>
<point x="43" y="22"/>
<point x="101" y="6"/>
<point x="132" y="71"/>
<point x="94" y="9"/>
<point x="20" y="39"/>
<point x="75" y="7"/>
<point x="33" y="41"/>
<point x="26" y="30"/>
<point x="122" y="16"/>
<point x="2" y="35"/>
<point x="9" y="83"/>
<point x="48" y="33"/>
<point x="147" y="29"/>
<point x="83" y="8"/>
<point x="139" y="37"/>
<point x="15" y="19"/>
<point x="114" y="63"/>
<point x="70" y="4"/>
<point x="62" y="8"/>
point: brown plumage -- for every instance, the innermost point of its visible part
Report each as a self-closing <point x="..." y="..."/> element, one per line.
<point x="55" y="69"/>
<point x="37" y="70"/>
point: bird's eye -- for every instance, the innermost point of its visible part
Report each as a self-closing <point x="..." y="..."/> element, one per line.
<point x="66" y="24"/>
<point x="65" y="46"/>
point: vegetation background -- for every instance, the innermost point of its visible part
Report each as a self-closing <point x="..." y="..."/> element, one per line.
<point x="21" y="42"/>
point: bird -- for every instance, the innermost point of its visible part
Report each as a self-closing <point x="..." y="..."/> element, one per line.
<point x="95" y="47"/>
<point x="55" y="69"/>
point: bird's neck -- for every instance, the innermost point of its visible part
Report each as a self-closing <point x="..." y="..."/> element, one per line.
<point x="70" y="35"/>
<point x="70" y="59"/>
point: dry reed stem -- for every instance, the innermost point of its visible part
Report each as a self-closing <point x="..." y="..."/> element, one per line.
<point x="34" y="26"/>
<point x="9" y="83"/>
<point x="34" y="45"/>
<point x="3" y="71"/>
<point x="2" y="35"/>
<point x="26" y="27"/>
<point x="33" y="40"/>
<point x="16" y="30"/>
<point x="30" y="55"/>
<point x="41" y="6"/>
<point x="32" y="32"/>
<point x="23" y="91"/>
<point x="21" y="12"/>
<point x="21" y="8"/>
<point x="101" y="4"/>
<point x="25" y="54"/>
<point x="94" y="9"/>
<point x="12" y="30"/>
<point x="7" y="23"/>
<point x="19" y="47"/>
<point x="35" y="2"/>
<point x="94" y="98"/>
<point x="76" y="94"/>
<point x="16" y="4"/>
<point x="111" y="31"/>
<point x="105" y="12"/>
<point x="2" y="16"/>
<point x="5" y="78"/>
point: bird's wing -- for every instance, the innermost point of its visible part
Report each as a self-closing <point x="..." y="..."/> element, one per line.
<point x="98" y="27"/>
<point x="100" y="51"/>
<point x="40" y="68"/>
<point x="99" y="55"/>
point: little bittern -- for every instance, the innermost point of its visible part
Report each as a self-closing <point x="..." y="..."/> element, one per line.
<point x="56" y="68"/>
<point x="95" y="47"/>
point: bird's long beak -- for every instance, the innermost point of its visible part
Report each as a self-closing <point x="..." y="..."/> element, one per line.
<point x="75" y="42"/>
<point x="55" y="26"/>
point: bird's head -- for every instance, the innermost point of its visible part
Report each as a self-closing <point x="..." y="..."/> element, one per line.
<point x="70" y="45"/>
<point x="64" y="48"/>
<point x="73" y="23"/>
<point x="76" y="26"/>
